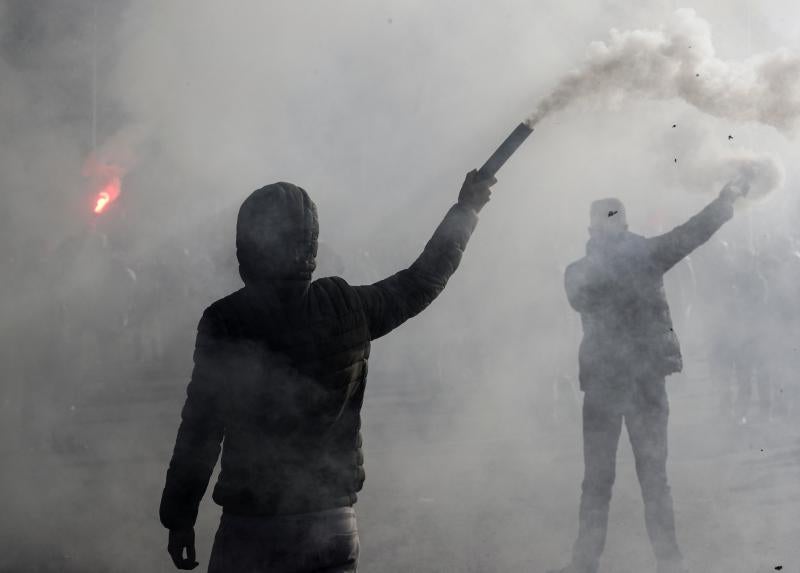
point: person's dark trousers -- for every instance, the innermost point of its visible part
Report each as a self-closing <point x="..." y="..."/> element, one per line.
<point x="320" y="542"/>
<point x="645" y="410"/>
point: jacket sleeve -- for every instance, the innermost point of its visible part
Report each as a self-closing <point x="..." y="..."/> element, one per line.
<point x="197" y="446"/>
<point x="391" y="301"/>
<point x="668" y="249"/>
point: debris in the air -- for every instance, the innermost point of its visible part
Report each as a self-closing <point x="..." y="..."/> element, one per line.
<point x="730" y="137"/>
<point x="674" y="125"/>
<point x="676" y="160"/>
<point x="612" y="213"/>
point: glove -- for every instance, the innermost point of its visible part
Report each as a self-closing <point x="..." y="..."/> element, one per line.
<point x="475" y="192"/>
<point x="180" y="539"/>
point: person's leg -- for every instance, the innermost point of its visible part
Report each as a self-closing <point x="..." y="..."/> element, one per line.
<point x="647" y="429"/>
<point x="347" y="568"/>
<point x="319" y="542"/>
<point x="602" y="424"/>
<point x="333" y="542"/>
<point x="236" y="546"/>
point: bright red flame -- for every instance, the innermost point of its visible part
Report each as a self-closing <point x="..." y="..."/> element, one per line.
<point x="102" y="200"/>
<point x="107" y="195"/>
<point x="107" y="164"/>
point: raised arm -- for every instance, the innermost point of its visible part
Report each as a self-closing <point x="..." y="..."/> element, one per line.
<point x="668" y="249"/>
<point x="391" y="301"/>
<point x="197" y="446"/>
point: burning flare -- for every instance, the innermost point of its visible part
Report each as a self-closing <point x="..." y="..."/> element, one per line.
<point x="106" y="180"/>
<point x="102" y="200"/>
<point x="107" y="165"/>
<point x="108" y="194"/>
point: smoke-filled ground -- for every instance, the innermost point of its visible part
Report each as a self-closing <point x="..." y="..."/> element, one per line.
<point x="472" y="424"/>
<point x="447" y="489"/>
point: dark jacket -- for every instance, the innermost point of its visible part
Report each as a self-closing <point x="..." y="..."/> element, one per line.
<point x="618" y="289"/>
<point x="280" y="373"/>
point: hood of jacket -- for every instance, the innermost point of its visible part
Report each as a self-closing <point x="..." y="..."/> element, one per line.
<point x="276" y="236"/>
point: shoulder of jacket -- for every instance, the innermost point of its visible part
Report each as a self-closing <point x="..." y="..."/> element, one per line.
<point x="331" y="285"/>
<point x="337" y="289"/>
<point x="224" y="304"/>
<point x="214" y="316"/>
<point x="575" y="266"/>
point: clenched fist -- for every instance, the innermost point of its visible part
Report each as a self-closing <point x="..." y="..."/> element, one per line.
<point x="475" y="192"/>
<point x="180" y="539"/>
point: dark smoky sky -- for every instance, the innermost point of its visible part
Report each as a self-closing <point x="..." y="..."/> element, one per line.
<point x="378" y="109"/>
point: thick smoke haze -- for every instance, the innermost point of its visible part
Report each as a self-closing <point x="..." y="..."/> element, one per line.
<point x="678" y="61"/>
<point x="708" y="161"/>
<point x="378" y="109"/>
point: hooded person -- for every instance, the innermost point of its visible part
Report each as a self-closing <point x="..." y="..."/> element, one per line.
<point x="629" y="346"/>
<point x="280" y="368"/>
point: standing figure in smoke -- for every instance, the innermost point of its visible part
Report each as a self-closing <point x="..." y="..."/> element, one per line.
<point x="628" y="348"/>
<point x="279" y="372"/>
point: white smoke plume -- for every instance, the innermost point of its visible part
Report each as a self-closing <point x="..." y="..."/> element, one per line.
<point x="708" y="160"/>
<point x="679" y="61"/>
<point x="762" y="173"/>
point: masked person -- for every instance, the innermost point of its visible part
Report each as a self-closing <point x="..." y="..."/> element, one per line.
<point x="279" y="373"/>
<point x="628" y="348"/>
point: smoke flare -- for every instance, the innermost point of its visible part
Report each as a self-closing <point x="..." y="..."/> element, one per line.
<point x="679" y="61"/>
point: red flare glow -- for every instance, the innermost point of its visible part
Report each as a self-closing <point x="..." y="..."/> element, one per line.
<point x="106" y="166"/>
<point x="102" y="200"/>
<point x="108" y="194"/>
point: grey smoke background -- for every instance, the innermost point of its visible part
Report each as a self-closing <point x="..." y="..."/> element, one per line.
<point x="378" y="110"/>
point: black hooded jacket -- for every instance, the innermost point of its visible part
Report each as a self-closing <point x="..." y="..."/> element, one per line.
<point x="280" y="366"/>
<point x="618" y="289"/>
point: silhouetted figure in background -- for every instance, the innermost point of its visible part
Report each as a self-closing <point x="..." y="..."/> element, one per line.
<point x="628" y="348"/>
<point x="737" y="350"/>
<point x="749" y="306"/>
<point x="780" y="269"/>
<point x="718" y="297"/>
<point x="280" y="369"/>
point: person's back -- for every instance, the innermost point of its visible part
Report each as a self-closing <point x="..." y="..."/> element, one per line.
<point x="618" y="289"/>
<point x="280" y="371"/>
<point x="291" y="401"/>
